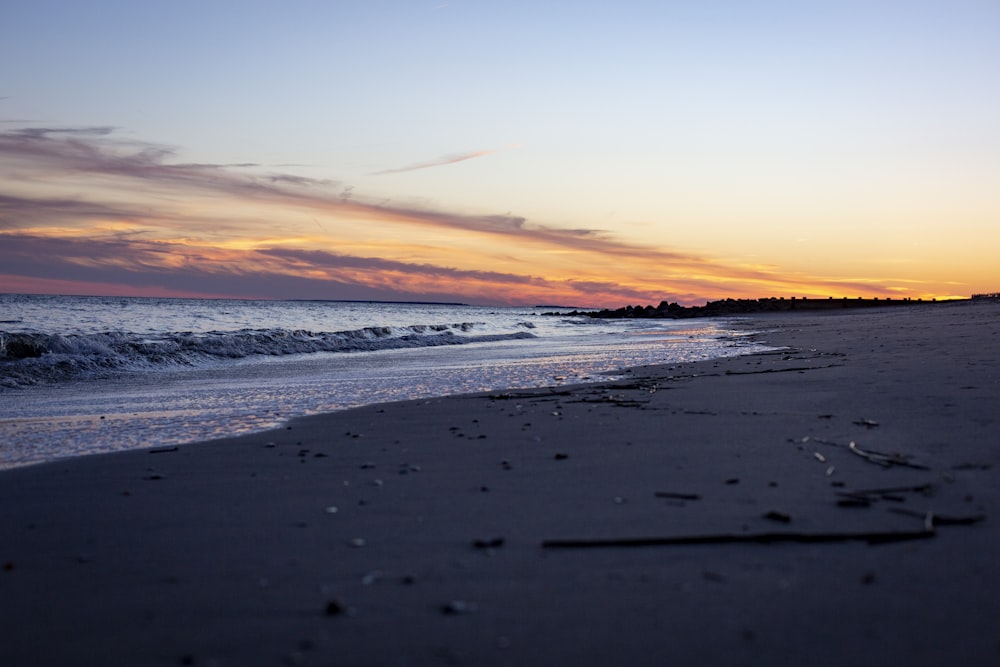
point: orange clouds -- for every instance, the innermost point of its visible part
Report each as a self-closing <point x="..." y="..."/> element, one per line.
<point x="79" y="206"/>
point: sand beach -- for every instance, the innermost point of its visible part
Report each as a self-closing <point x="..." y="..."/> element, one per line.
<point x="832" y="502"/>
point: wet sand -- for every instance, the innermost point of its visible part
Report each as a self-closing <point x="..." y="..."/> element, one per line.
<point x="710" y="513"/>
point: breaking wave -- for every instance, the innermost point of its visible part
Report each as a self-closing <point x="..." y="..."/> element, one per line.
<point x="30" y="358"/>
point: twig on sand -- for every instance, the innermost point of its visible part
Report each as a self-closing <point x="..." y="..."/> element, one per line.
<point x="782" y="370"/>
<point x="869" y="496"/>
<point x="522" y="395"/>
<point x="877" y="537"/>
<point x="619" y="401"/>
<point x="672" y="495"/>
<point x="884" y="460"/>
<point x="942" y="519"/>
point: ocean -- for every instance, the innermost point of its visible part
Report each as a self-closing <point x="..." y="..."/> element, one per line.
<point x="82" y="375"/>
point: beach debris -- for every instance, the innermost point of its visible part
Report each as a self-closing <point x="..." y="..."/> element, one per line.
<point x="357" y="542"/>
<point x="620" y="400"/>
<point x="163" y="450"/>
<point x="780" y="517"/>
<point x="868" y="579"/>
<point x="672" y="495"/>
<point x="732" y="480"/>
<point x="334" y="607"/>
<point x="9" y="566"/>
<point x="153" y="478"/>
<point x="872" y="537"/>
<point x="456" y="607"/>
<point x="331" y="509"/>
<point x="884" y="460"/>
<point x="491" y="543"/>
<point x="867" y="423"/>
<point x="865" y="497"/>
<point x="972" y="466"/>
<point x="853" y="501"/>
<point x="561" y="456"/>
<point x="819" y="457"/>
<point x="942" y="519"/>
<point x="782" y="370"/>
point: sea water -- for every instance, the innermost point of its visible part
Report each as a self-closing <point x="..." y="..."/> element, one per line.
<point x="82" y="375"/>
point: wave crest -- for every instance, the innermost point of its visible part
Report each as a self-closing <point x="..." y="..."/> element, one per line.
<point x="29" y="358"/>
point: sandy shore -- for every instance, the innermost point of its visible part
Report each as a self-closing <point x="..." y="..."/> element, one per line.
<point x="539" y="526"/>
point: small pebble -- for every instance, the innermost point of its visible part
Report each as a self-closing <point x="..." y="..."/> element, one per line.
<point x="493" y="543"/>
<point x="456" y="607"/>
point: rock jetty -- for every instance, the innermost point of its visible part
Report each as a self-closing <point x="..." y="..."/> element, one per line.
<point x="743" y="306"/>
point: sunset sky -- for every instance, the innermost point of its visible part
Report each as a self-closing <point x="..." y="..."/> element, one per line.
<point x="500" y="152"/>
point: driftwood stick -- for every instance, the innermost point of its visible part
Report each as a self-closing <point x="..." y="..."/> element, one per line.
<point x="888" y="493"/>
<point x="884" y="460"/>
<point x="917" y="488"/>
<point x="782" y="370"/>
<point x="677" y="496"/>
<point x="942" y="519"/>
<point x="877" y="537"/>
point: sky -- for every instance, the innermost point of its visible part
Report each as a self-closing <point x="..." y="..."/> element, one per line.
<point x="573" y="153"/>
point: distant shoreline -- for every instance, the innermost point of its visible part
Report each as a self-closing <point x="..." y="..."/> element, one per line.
<point x="725" y="307"/>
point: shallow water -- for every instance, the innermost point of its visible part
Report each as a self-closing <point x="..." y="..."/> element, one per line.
<point x="118" y="399"/>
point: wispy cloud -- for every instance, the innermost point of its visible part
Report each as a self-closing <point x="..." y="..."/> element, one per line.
<point x="86" y="150"/>
<point x="272" y="272"/>
<point x="439" y="162"/>
<point x="82" y="204"/>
